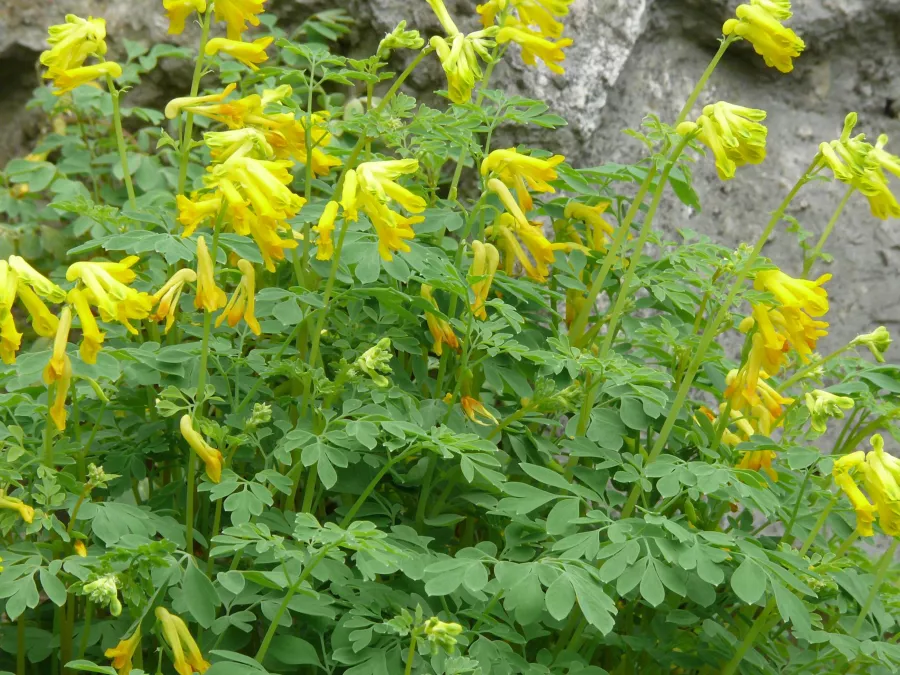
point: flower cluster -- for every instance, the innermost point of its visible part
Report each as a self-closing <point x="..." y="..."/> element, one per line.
<point x="534" y="25"/>
<point x="733" y="134"/>
<point x="235" y="13"/>
<point x="880" y="474"/>
<point x="71" y="44"/>
<point x="862" y="166"/>
<point x="186" y="655"/>
<point x="760" y="24"/>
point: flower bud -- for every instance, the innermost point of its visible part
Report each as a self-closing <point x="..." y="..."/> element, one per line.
<point x="877" y="341"/>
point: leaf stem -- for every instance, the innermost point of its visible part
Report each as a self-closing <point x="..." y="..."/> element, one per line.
<point x="187" y="137"/>
<point x="120" y="139"/>
<point x="758" y="625"/>
<point x="884" y="566"/>
<point x="813" y="257"/>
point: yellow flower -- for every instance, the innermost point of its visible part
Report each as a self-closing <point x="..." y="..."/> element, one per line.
<point x="877" y="341"/>
<point x="522" y="172"/>
<point x="393" y="230"/>
<point x="440" y="11"/>
<point x="759" y="460"/>
<point x="56" y="367"/>
<point x="68" y="80"/>
<point x="458" y="55"/>
<point x="881" y="475"/>
<point x="106" y="289"/>
<point x="186" y="655"/>
<point x="823" y="405"/>
<point x="179" y="10"/>
<point x="440" y="328"/>
<point x="865" y="510"/>
<point x="496" y="186"/>
<point x="209" y="296"/>
<point x="198" y="104"/>
<point x="43" y="320"/>
<point x="599" y="229"/>
<point x="38" y="282"/>
<point x="209" y="455"/>
<point x="10" y="340"/>
<point x="25" y="512"/>
<point x="243" y="302"/>
<point x="9" y="282"/>
<point x="123" y="653"/>
<point x="244" y="142"/>
<point x="760" y="24"/>
<point x="191" y="213"/>
<point x="264" y="183"/>
<point x="808" y="296"/>
<point x="733" y="134"/>
<point x="166" y="298"/>
<point x="508" y="232"/>
<point x="324" y="230"/>
<point x="475" y="411"/>
<point x="378" y="180"/>
<point x="91" y="337"/>
<point x="485" y="259"/>
<point x="72" y="42"/>
<point x="81" y="551"/>
<point x="64" y="381"/>
<point x="535" y="46"/>
<point x="248" y="53"/>
<point x="236" y="14"/>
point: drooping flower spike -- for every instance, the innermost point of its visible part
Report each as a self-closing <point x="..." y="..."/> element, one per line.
<point x="439" y="328"/>
<point x="243" y="302"/>
<point x="123" y="653"/>
<point x="166" y="298"/>
<point x="179" y="10"/>
<point x="210" y="456"/>
<point x="733" y="134"/>
<point x="760" y="24"/>
<point x="186" y="655"/>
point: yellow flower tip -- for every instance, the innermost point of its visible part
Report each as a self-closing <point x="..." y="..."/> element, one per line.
<point x="325" y="229"/>
<point x="237" y="14"/>
<point x="439" y="328"/>
<point x="72" y="42"/>
<point x="56" y="367"/>
<point x="91" y="337"/>
<point x="760" y="24"/>
<point x="186" y="656"/>
<point x="209" y="455"/>
<point x="243" y="302"/>
<point x="81" y="551"/>
<point x="443" y="16"/>
<point x="536" y="46"/>
<point x="179" y="10"/>
<point x="166" y="298"/>
<point x="249" y="53"/>
<point x="475" y="411"/>
<point x="485" y="260"/>
<point x="209" y="296"/>
<point x="68" y="80"/>
<point x="123" y="653"/>
<point x="10" y="340"/>
<point x="26" y="513"/>
<point x="40" y="284"/>
<point x="176" y="105"/>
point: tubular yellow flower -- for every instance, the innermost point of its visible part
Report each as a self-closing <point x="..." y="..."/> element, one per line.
<point x="485" y="260"/>
<point x="440" y="11"/>
<point x="209" y="455"/>
<point x="209" y="296"/>
<point x="191" y="213"/>
<point x="475" y="411"/>
<point x="237" y="13"/>
<point x="25" y="512"/>
<point x="522" y="172"/>
<point x="732" y="133"/>
<point x="43" y="320"/>
<point x="865" y="510"/>
<point x="81" y="551"/>
<point x="248" y="53"/>
<point x="378" y="179"/>
<point x="9" y="282"/>
<point x="823" y="405"/>
<point x="107" y="290"/>
<point x="37" y="281"/>
<point x="760" y="24"/>
<point x="881" y="474"/>
<point x="440" y="328"/>
<point x="68" y="80"/>
<point x="535" y="46"/>
<point x="393" y="230"/>
<point x="123" y="653"/>
<point x="458" y="55"/>
<point x="808" y="296"/>
<point x="91" y="337"/>
<point x="759" y="460"/>
<point x="531" y="235"/>
<point x="179" y="10"/>
<point x="515" y="211"/>
<point x="197" y="104"/>
<point x="166" y="298"/>
<point x="10" y="340"/>
<point x="599" y="229"/>
<point x="56" y="367"/>
<point x="243" y="302"/>
<point x="58" y="409"/>
<point x="324" y="230"/>
<point x="186" y="655"/>
<point x="72" y="42"/>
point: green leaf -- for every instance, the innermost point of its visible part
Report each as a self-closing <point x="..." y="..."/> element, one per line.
<point x="560" y="597"/>
<point x="561" y="518"/>
<point x="748" y="581"/>
<point x="53" y="587"/>
<point x="595" y="604"/>
<point x="651" y="587"/>
<point x="199" y="595"/>
<point x="791" y="607"/>
<point x="88" y="667"/>
<point x="294" y="651"/>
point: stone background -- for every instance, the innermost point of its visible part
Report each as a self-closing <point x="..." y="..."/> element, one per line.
<point x="630" y="57"/>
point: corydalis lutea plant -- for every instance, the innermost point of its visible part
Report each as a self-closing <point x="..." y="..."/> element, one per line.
<point x="330" y="412"/>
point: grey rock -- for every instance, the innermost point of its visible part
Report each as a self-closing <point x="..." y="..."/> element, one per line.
<point x="630" y="58"/>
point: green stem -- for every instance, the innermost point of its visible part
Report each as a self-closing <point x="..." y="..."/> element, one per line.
<point x="357" y="505"/>
<point x="120" y="139"/>
<point x="704" y="78"/>
<point x="84" y="493"/>
<point x="884" y="566"/>
<point x="20" y="645"/>
<point x="761" y="620"/>
<point x="48" y="430"/>
<point x="187" y="136"/>
<point x="584" y="418"/>
<point x="270" y="633"/>
<point x="790" y="525"/>
<point x="813" y="257"/>
<point x="411" y="654"/>
<point x="424" y="494"/>
<point x="624" y="294"/>
<point x="846" y="545"/>
<point x="800" y="374"/>
<point x="808" y="542"/>
<point x="712" y="330"/>
<point x="86" y="629"/>
<point x="309" y="491"/>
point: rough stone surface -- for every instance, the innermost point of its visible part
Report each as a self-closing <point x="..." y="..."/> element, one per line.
<point x="630" y="57"/>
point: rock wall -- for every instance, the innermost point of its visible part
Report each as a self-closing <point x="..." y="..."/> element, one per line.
<point x="630" y="57"/>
